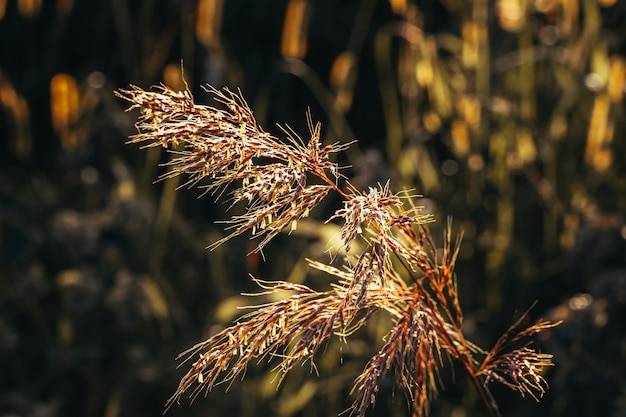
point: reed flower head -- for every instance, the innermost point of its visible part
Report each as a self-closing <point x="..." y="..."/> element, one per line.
<point x="227" y="146"/>
<point x="519" y="368"/>
<point x="398" y="273"/>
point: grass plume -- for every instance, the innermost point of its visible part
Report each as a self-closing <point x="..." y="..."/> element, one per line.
<point x="400" y="273"/>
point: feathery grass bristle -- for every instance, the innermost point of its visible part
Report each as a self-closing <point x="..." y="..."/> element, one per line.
<point x="399" y="272"/>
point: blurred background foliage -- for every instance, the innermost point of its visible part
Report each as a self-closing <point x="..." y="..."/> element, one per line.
<point x="507" y="115"/>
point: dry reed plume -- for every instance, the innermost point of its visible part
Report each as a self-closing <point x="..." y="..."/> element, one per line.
<point x="400" y="273"/>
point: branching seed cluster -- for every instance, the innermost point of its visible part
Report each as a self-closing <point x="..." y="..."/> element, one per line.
<point x="399" y="271"/>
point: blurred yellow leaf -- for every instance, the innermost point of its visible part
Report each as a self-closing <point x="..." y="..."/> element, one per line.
<point x="511" y="14"/>
<point x="29" y="8"/>
<point x="424" y="72"/>
<point x="469" y="107"/>
<point x="524" y="152"/>
<point x="209" y="21"/>
<point x="558" y="128"/>
<point x="64" y="107"/>
<point x="19" y="119"/>
<point x="471" y="36"/>
<point x="570" y="19"/>
<point x="602" y="159"/>
<point x="460" y="138"/>
<point x="600" y="64"/>
<point x="617" y="77"/>
<point x="398" y="6"/>
<point x="343" y="79"/>
<point x="526" y="148"/>
<point x="294" y="39"/>
<point x="173" y="77"/>
<point x="439" y="91"/>
<point x="598" y="134"/>
<point x="416" y="161"/>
